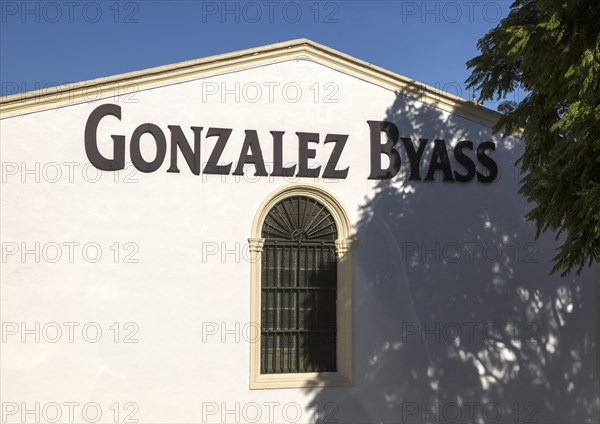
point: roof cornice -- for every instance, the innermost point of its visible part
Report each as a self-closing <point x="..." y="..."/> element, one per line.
<point x="75" y="93"/>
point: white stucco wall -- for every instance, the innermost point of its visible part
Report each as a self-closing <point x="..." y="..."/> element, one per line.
<point x="177" y="372"/>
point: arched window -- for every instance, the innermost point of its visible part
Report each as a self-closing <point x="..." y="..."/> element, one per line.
<point x="301" y="291"/>
<point x="298" y="288"/>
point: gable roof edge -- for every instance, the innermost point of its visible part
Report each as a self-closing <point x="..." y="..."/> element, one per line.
<point x="107" y="87"/>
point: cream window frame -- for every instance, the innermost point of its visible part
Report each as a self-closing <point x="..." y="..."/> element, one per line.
<point x="344" y="376"/>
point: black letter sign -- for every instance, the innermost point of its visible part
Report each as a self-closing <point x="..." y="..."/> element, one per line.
<point x="414" y="156"/>
<point x="305" y="153"/>
<point x="439" y="161"/>
<point x="487" y="161"/>
<point x="251" y="143"/>
<point x="278" y="169"/>
<point x="464" y="161"/>
<point x="340" y="142"/>
<point x="192" y="157"/>
<point x="377" y="149"/>
<point x="136" y="154"/>
<point x="91" y="143"/>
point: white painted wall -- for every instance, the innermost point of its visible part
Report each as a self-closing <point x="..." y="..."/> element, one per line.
<point x="172" y="293"/>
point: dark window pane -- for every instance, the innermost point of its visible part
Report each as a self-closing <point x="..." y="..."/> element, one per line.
<point x="299" y="284"/>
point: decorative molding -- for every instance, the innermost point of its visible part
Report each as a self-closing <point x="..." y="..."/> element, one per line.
<point x="345" y="294"/>
<point x="317" y="192"/>
<point x="256" y="244"/>
<point x="342" y="246"/>
<point x="300" y="49"/>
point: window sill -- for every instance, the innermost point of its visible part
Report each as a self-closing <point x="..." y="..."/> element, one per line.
<point x="300" y="380"/>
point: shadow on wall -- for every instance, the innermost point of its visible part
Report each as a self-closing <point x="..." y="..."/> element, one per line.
<point x="456" y="318"/>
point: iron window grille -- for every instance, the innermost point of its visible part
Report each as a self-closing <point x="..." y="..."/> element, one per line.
<point x="298" y="288"/>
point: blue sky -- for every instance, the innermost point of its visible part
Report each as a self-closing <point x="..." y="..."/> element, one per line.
<point x="49" y="43"/>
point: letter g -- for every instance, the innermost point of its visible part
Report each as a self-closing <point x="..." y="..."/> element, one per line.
<point x="91" y="142"/>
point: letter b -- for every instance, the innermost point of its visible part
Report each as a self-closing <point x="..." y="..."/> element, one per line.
<point x="387" y="148"/>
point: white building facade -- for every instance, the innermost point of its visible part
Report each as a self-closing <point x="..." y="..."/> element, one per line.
<point x="281" y="234"/>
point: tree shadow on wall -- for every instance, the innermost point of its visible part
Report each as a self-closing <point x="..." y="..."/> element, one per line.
<point x="455" y="316"/>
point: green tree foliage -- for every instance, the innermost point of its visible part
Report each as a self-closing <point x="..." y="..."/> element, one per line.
<point x="551" y="50"/>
